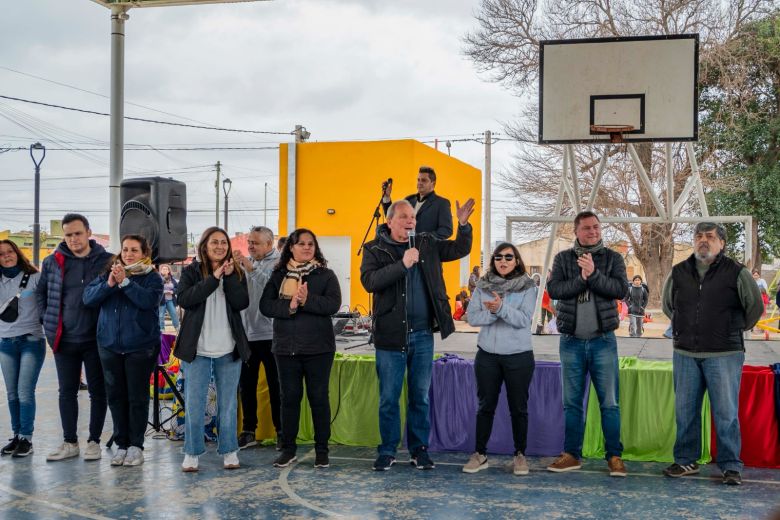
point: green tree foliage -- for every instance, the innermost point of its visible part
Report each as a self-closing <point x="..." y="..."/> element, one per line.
<point x="740" y="125"/>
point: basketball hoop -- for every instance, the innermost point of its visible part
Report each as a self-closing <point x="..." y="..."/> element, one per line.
<point x="615" y="131"/>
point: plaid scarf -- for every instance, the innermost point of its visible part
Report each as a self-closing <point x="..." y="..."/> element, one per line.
<point x="583" y="250"/>
<point x="294" y="277"/>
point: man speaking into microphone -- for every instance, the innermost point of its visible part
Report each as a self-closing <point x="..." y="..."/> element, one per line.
<point x="403" y="271"/>
<point x="433" y="213"/>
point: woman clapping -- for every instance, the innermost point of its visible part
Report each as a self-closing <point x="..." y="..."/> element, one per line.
<point x="128" y="338"/>
<point x="212" y="292"/>
<point x="301" y="296"/>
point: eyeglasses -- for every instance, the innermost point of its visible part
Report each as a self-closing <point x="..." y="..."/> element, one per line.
<point x="508" y="257"/>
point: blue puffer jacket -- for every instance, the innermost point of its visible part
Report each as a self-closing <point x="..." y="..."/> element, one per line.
<point x="129" y="319"/>
<point x="48" y="292"/>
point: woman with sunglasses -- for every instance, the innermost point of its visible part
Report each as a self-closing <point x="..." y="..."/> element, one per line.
<point x="22" y="347"/>
<point x="503" y="307"/>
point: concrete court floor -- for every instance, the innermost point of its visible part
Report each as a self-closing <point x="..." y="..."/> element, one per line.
<point x="32" y="488"/>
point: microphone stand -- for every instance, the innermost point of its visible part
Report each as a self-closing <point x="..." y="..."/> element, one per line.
<point x="374" y="218"/>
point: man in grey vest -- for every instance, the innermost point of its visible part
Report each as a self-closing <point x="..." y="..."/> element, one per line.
<point x="713" y="300"/>
<point x="586" y="280"/>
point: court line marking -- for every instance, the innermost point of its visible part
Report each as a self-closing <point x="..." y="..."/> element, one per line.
<point x="53" y="505"/>
<point x="285" y="485"/>
<point x="595" y="472"/>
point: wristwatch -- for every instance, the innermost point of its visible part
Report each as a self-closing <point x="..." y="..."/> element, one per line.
<point x="124" y="283"/>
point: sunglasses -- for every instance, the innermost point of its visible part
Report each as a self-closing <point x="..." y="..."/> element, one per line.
<point x="508" y="257"/>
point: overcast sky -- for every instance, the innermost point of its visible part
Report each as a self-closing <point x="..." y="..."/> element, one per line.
<point x="345" y="69"/>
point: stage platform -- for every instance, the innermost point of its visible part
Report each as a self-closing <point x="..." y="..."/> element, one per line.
<point x="31" y="488"/>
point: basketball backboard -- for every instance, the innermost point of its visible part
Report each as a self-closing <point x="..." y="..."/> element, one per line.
<point x="647" y="82"/>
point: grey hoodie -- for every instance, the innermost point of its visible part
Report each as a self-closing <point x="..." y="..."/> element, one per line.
<point x="257" y="326"/>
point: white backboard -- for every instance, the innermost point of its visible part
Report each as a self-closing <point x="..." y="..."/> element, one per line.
<point x="648" y="82"/>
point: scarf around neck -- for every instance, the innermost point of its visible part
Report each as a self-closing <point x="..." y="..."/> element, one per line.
<point x="10" y="272"/>
<point x="294" y="277"/>
<point x="143" y="266"/>
<point x="583" y="250"/>
<point x="502" y="286"/>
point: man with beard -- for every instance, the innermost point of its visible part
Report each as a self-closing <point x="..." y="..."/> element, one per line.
<point x="712" y="299"/>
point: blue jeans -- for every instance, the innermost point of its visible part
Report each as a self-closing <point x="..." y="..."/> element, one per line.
<point x="720" y="376"/>
<point x="197" y="376"/>
<point x="390" y="368"/>
<point x="21" y="359"/>
<point x="167" y="305"/>
<point x="597" y="357"/>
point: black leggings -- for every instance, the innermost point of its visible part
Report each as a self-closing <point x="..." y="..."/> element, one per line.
<point x="250" y="373"/>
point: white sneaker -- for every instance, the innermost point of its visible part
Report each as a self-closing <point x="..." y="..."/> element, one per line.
<point x="231" y="460"/>
<point x="66" y="451"/>
<point x="135" y="456"/>
<point x="119" y="457"/>
<point x="93" y="451"/>
<point x="190" y="464"/>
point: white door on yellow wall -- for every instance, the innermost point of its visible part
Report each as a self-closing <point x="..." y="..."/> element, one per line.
<point x="337" y="251"/>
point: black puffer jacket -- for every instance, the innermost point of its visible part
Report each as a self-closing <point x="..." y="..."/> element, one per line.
<point x="192" y="293"/>
<point x="310" y="329"/>
<point x="384" y="274"/>
<point x="606" y="284"/>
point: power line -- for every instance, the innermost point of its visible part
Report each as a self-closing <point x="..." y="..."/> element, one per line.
<point x="143" y="120"/>
<point x="154" y="149"/>
<point x="96" y="94"/>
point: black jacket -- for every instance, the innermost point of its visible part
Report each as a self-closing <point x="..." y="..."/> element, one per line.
<point x="606" y="284"/>
<point x="192" y="293"/>
<point x="435" y="216"/>
<point x="636" y="300"/>
<point x="310" y="329"/>
<point x="383" y="273"/>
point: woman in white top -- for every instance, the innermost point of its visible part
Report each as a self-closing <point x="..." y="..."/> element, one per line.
<point x="212" y="292"/>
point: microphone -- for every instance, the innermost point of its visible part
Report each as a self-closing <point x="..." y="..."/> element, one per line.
<point x="412" y="234"/>
<point x="385" y="184"/>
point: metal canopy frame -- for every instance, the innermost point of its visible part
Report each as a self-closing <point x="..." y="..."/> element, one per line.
<point x="668" y="212"/>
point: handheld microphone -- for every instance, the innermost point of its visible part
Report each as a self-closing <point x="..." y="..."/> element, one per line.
<point x="412" y="234"/>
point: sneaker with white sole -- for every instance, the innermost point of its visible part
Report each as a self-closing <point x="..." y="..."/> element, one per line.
<point x="66" y="451"/>
<point x="93" y="451"/>
<point x="190" y="464"/>
<point x="135" y="456"/>
<point x="230" y="460"/>
<point x="477" y="462"/>
<point x="519" y="465"/>
<point x="119" y="457"/>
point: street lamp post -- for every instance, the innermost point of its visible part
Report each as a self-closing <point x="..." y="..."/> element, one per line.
<point x="37" y="223"/>
<point x="226" y="185"/>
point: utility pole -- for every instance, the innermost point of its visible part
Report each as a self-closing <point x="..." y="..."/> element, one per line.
<point x="486" y="250"/>
<point x="216" y="190"/>
<point x="301" y="134"/>
<point x="265" y="206"/>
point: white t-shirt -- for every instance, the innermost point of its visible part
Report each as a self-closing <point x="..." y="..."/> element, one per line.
<point x="216" y="338"/>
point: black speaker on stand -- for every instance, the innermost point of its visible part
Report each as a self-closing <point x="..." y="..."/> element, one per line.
<point x="156" y="208"/>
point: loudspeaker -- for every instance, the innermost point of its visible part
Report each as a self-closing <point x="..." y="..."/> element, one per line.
<point x="156" y="208"/>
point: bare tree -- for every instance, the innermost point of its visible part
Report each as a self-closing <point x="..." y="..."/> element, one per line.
<point x="506" y="47"/>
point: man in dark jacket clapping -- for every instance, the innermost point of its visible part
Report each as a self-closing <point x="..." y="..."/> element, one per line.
<point x="410" y="303"/>
<point x="586" y="280"/>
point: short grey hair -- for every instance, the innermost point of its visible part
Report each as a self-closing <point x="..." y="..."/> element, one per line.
<point x="394" y="206"/>
<point x="703" y="227"/>
<point x="265" y="232"/>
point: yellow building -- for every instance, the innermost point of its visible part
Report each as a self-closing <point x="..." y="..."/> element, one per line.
<point x="24" y="240"/>
<point x="333" y="188"/>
